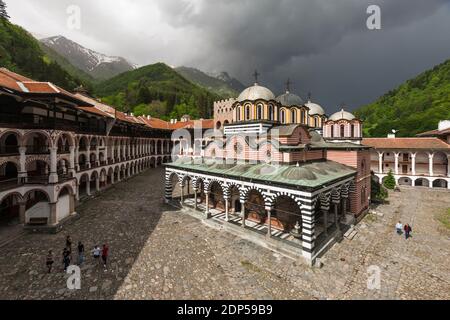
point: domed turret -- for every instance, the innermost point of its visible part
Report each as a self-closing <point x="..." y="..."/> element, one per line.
<point x="342" y="115"/>
<point x="289" y="100"/>
<point x="343" y="126"/>
<point x="315" y="109"/>
<point x="256" y="92"/>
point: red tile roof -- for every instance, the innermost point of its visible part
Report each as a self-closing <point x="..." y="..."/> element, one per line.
<point x="406" y="143"/>
<point x="434" y="133"/>
<point x="24" y="85"/>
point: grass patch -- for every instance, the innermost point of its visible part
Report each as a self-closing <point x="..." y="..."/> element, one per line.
<point x="250" y="266"/>
<point x="444" y="219"/>
<point x="371" y="218"/>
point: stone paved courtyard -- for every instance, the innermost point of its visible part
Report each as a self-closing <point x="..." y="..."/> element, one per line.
<point x="160" y="253"/>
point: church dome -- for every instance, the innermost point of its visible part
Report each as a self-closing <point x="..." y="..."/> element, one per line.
<point x="315" y="109"/>
<point x="289" y="99"/>
<point x="256" y="92"/>
<point x="342" y="115"/>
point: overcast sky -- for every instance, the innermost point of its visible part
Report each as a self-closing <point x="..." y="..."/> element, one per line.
<point x="323" y="46"/>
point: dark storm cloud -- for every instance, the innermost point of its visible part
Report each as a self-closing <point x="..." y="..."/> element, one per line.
<point x="323" y="45"/>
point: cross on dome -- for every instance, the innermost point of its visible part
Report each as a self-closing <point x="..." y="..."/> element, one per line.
<point x="256" y="75"/>
<point x="288" y="85"/>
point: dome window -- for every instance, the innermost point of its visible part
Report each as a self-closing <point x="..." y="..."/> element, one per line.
<point x="259" y="112"/>
<point x="294" y="116"/>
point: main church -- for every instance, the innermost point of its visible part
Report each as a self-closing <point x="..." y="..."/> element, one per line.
<point x="276" y="170"/>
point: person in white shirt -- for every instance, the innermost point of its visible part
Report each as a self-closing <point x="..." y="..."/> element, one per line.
<point x="399" y="227"/>
<point x="97" y="252"/>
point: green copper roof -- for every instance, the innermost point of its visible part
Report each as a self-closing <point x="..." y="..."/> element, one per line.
<point x="306" y="175"/>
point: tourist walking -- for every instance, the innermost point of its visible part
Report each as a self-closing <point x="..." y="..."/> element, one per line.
<point x="105" y="255"/>
<point x="69" y="245"/>
<point x="399" y="228"/>
<point x="80" y="253"/>
<point x="49" y="261"/>
<point x="96" y="253"/>
<point x="408" y="231"/>
<point x="66" y="259"/>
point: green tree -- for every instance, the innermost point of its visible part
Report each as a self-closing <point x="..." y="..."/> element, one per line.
<point x="389" y="182"/>
<point x="3" y="13"/>
<point x="378" y="192"/>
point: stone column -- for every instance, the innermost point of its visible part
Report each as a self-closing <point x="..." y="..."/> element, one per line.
<point x="243" y="213"/>
<point x="88" y="187"/>
<point x="207" y="213"/>
<point x="182" y="194"/>
<point x="77" y="195"/>
<point x="195" y="198"/>
<point x="97" y="184"/>
<point x="22" y="176"/>
<point x="269" y="225"/>
<point x="97" y="156"/>
<point x="72" y="161"/>
<point x="227" y="209"/>
<point x="413" y="164"/>
<point x="53" y="177"/>
<point x="396" y="154"/>
<point x="380" y="162"/>
<point x="430" y="161"/>
<point x="336" y="216"/>
<point x="448" y="166"/>
<point x="325" y="220"/>
<point x="53" y="218"/>
<point x="22" y="210"/>
<point x="77" y="155"/>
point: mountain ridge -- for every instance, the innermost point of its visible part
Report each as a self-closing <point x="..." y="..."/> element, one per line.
<point x="220" y="83"/>
<point x="415" y="106"/>
<point x="98" y="65"/>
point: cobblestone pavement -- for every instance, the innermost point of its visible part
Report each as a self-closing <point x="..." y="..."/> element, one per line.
<point x="159" y="253"/>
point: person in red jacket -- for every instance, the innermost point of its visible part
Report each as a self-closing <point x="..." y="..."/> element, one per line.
<point x="105" y="254"/>
<point x="407" y="230"/>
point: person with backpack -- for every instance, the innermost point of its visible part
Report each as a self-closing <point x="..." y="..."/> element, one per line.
<point x="49" y="261"/>
<point x="408" y="231"/>
<point x="66" y="259"/>
<point x="80" y="253"/>
<point x="105" y="253"/>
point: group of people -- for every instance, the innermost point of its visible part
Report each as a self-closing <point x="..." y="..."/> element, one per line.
<point x="97" y="252"/>
<point x="403" y="229"/>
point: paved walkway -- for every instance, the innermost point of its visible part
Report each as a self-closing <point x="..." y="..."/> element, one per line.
<point x="159" y="253"/>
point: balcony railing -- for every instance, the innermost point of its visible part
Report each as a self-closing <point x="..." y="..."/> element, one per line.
<point x="9" y="150"/>
<point x="37" y="149"/>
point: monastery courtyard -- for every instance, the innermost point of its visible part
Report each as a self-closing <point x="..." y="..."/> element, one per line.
<point x="157" y="252"/>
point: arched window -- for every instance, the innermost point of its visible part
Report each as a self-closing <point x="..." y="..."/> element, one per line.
<point x="283" y="116"/>
<point x="247" y="113"/>
<point x="316" y="122"/>
<point x="294" y="116"/>
<point x="270" y="112"/>
<point x="353" y="131"/>
<point x="238" y="114"/>
<point x="332" y="131"/>
<point x="259" y="112"/>
<point x="342" y="131"/>
<point x="303" y="117"/>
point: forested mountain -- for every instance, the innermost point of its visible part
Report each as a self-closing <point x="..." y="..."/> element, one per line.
<point x="21" y="53"/>
<point x="416" y="106"/>
<point x="157" y="90"/>
<point x="97" y="65"/>
<point x="221" y="83"/>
